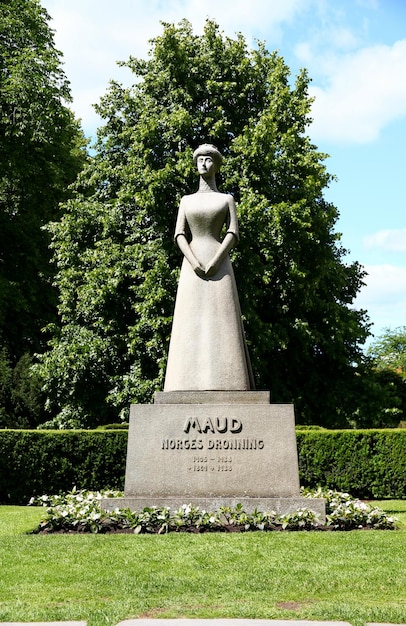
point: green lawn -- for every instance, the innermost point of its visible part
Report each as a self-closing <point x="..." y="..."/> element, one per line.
<point x="357" y="576"/>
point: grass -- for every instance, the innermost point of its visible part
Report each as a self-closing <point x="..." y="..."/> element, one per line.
<point x="357" y="576"/>
<point x="397" y="508"/>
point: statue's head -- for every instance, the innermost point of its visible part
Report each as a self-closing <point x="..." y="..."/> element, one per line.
<point x="207" y="149"/>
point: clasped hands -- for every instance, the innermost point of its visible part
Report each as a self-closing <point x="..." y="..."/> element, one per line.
<point x="205" y="271"/>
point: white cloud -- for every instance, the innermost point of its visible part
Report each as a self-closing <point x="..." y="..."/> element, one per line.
<point x="259" y="15"/>
<point x="384" y="296"/>
<point x="329" y="36"/>
<point x="391" y="240"/>
<point x="365" y="92"/>
<point x="340" y="38"/>
<point x="94" y="34"/>
<point x="373" y="4"/>
<point x="357" y="93"/>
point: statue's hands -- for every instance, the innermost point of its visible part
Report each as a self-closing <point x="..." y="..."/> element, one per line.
<point x="214" y="264"/>
<point x="212" y="268"/>
<point x="198" y="269"/>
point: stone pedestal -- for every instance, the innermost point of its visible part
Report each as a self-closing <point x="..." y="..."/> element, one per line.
<point x="213" y="449"/>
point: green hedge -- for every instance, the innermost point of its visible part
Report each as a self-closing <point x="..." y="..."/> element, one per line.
<point x="368" y="464"/>
<point x="33" y="463"/>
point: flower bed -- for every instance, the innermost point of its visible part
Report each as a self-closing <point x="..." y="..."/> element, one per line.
<point x="80" y="511"/>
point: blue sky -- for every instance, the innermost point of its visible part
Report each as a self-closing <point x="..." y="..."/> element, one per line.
<point x="355" y="53"/>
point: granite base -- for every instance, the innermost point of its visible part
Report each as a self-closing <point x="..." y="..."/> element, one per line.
<point x="280" y="506"/>
<point x="213" y="449"/>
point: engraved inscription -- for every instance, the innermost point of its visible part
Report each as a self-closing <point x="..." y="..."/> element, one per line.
<point x="213" y="444"/>
<point x="200" y="468"/>
<point x="200" y="464"/>
<point x="182" y="444"/>
<point x="218" y="425"/>
<point x="209" y="426"/>
<point x="235" y="444"/>
<point x="248" y="443"/>
<point x="212" y="464"/>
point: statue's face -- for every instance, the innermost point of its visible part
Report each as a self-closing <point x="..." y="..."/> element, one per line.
<point x="205" y="165"/>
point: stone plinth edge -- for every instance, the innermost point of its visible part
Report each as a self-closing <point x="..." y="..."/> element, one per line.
<point x="281" y="506"/>
<point x="213" y="454"/>
<point x="212" y="397"/>
<point x="211" y="450"/>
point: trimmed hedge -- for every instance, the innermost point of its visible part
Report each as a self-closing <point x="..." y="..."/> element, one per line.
<point x="366" y="463"/>
<point x="33" y="463"/>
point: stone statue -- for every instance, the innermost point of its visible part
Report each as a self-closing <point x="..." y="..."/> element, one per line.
<point x="207" y="349"/>
<point x="208" y="420"/>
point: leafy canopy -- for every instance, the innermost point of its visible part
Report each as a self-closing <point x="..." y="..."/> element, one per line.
<point x="389" y="350"/>
<point x="384" y="401"/>
<point x="41" y="152"/>
<point x="118" y="266"/>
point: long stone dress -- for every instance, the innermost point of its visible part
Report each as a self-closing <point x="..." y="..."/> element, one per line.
<point x="207" y="349"/>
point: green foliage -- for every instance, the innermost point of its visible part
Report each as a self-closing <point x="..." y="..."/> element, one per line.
<point x="343" y="512"/>
<point x="21" y="398"/>
<point x="118" y="266"/>
<point x="120" y="426"/>
<point x="41" y="151"/>
<point x="368" y="464"/>
<point x="37" y="462"/>
<point x="80" y="511"/>
<point x="381" y="401"/>
<point x="5" y="384"/>
<point x="389" y="350"/>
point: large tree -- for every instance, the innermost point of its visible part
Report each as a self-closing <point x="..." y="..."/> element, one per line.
<point x="41" y="152"/>
<point x="117" y="264"/>
<point x="382" y="398"/>
<point x="388" y="350"/>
